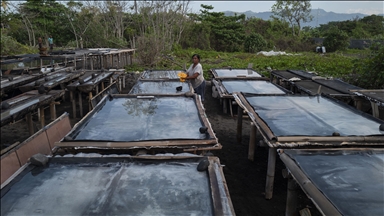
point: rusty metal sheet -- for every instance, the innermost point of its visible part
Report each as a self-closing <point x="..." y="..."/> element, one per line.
<point x="57" y="129"/>
<point x="37" y="143"/>
<point x="9" y="165"/>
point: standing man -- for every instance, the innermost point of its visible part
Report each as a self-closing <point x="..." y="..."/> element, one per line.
<point x="50" y="41"/>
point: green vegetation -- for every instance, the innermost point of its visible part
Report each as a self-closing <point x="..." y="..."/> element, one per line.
<point x="157" y="29"/>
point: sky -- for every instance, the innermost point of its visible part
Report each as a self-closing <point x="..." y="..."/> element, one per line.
<point x="364" y="7"/>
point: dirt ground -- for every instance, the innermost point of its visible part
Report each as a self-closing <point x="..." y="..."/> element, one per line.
<point x="245" y="179"/>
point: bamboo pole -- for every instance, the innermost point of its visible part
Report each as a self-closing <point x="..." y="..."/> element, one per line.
<point x="291" y="204"/>
<point x="270" y="173"/>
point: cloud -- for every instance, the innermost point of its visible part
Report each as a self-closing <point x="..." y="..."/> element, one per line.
<point x="368" y="11"/>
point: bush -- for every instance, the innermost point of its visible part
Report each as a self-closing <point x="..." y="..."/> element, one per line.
<point x="369" y="72"/>
<point x="9" y="46"/>
<point x="254" y="43"/>
<point x="336" y="39"/>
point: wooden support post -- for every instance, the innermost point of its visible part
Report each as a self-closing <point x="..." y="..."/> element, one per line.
<point x="375" y="109"/>
<point x="89" y="102"/>
<point x="239" y="124"/>
<point x="225" y="104"/>
<point x="102" y="86"/>
<point x="270" y="173"/>
<point x="65" y="62"/>
<point x="38" y="113"/>
<point x="41" y="63"/>
<point x="230" y="107"/>
<point x="52" y="110"/>
<point x="358" y="103"/>
<point x="91" y="63"/>
<point x="42" y="117"/>
<point x="252" y="142"/>
<point x="80" y="105"/>
<point x="62" y="86"/>
<point x="123" y="77"/>
<point x="119" y="80"/>
<point x="84" y="66"/>
<point x="30" y="124"/>
<point x="97" y="89"/>
<point x="73" y="101"/>
<point x="291" y="205"/>
<point x="118" y="61"/>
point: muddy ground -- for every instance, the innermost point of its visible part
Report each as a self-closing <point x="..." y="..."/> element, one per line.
<point x="245" y="179"/>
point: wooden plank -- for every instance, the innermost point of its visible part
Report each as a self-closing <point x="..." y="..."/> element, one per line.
<point x="9" y="165"/>
<point x="37" y="143"/>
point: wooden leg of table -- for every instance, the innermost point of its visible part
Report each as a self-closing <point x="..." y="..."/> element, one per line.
<point x="270" y="172"/>
<point x="375" y="109"/>
<point x="89" y="102"/>
<point x="42" y="117"/>
<point x="81" y="105"/>
<point x="73" y="101"/>
<point x="225" y="104"/>
<point x="291" y="205"/>
<point x="252" y="142"/>
<point x="239" y="125"/>
<point x="230" y="107"/>
<point x="52" y="110"/>
<point x="30" y="124"/>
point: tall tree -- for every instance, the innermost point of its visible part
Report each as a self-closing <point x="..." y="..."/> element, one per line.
<point x="294" y="12"/>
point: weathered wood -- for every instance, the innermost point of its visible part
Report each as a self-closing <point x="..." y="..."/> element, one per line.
<point x="291" y="205"/>
<point x="42" y="117"/>
<point x="73" y="101"/>
<point x="52" y="110"/>
<point x="80" y="105"/>
<point x="270" y="172"/>
<point x="30" y="123"/>
<point x="252" y="142"/>
<point x="239" y="124"/>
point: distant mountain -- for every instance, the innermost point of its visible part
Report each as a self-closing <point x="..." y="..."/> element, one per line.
<point x="320" y="16"/>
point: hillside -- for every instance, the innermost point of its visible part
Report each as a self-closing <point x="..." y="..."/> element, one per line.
<point x="320" y="16"/>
